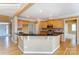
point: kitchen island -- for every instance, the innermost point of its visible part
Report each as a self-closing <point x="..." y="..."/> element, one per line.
<point x="38" y="43"/>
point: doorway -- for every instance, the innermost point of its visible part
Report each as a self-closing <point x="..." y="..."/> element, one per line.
<point x="4" y="29"/>
<point x="70" y="31"/>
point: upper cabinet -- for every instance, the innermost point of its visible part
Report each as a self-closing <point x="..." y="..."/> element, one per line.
<point x="56" y="23"/>
<point x="43" y="24"/>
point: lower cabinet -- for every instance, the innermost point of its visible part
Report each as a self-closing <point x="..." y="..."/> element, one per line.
<point x="55" y="42"/>
<point x="38" y="44"/>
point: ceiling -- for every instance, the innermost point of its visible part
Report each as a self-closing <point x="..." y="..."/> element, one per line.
<point x="52" y="10"/>
<point x="42" y="10"/>
<point x="8" y="9"/>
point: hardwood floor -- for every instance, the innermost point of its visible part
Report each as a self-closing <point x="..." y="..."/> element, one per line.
<point x="66" y="48"/>
<point x="7" y="47"/>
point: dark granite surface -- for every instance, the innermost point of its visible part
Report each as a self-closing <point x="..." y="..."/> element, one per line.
<point x="54" y="34"/>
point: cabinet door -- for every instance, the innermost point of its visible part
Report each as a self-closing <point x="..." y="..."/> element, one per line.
<point x="56" y="23"/>
<point x="43" y="24"/>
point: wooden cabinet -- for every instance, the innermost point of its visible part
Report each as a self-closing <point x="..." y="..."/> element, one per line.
<point x="57" y="23"/>
<point x="43" y="24"/>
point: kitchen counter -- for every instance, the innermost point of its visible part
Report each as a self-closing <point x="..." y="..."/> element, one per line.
<point x="38" y="43"/>
<point x="54" y="34"/>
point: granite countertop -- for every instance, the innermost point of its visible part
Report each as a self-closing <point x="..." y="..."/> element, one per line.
<point x="54" y="34"/>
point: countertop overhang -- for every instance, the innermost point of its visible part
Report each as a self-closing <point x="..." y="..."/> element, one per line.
<point x="54" y="34"/>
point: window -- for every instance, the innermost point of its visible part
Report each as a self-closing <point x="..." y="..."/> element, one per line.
<point x="73" y="27"/>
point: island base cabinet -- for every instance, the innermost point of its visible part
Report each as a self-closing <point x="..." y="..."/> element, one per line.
<point x="21" y="43"/>
<point x="38" y="44"/>
<point x="55" y="42"/>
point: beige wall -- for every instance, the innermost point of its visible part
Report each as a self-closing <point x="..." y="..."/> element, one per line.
<point x="4" y="18"/>
<point x="78" y="30"/>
